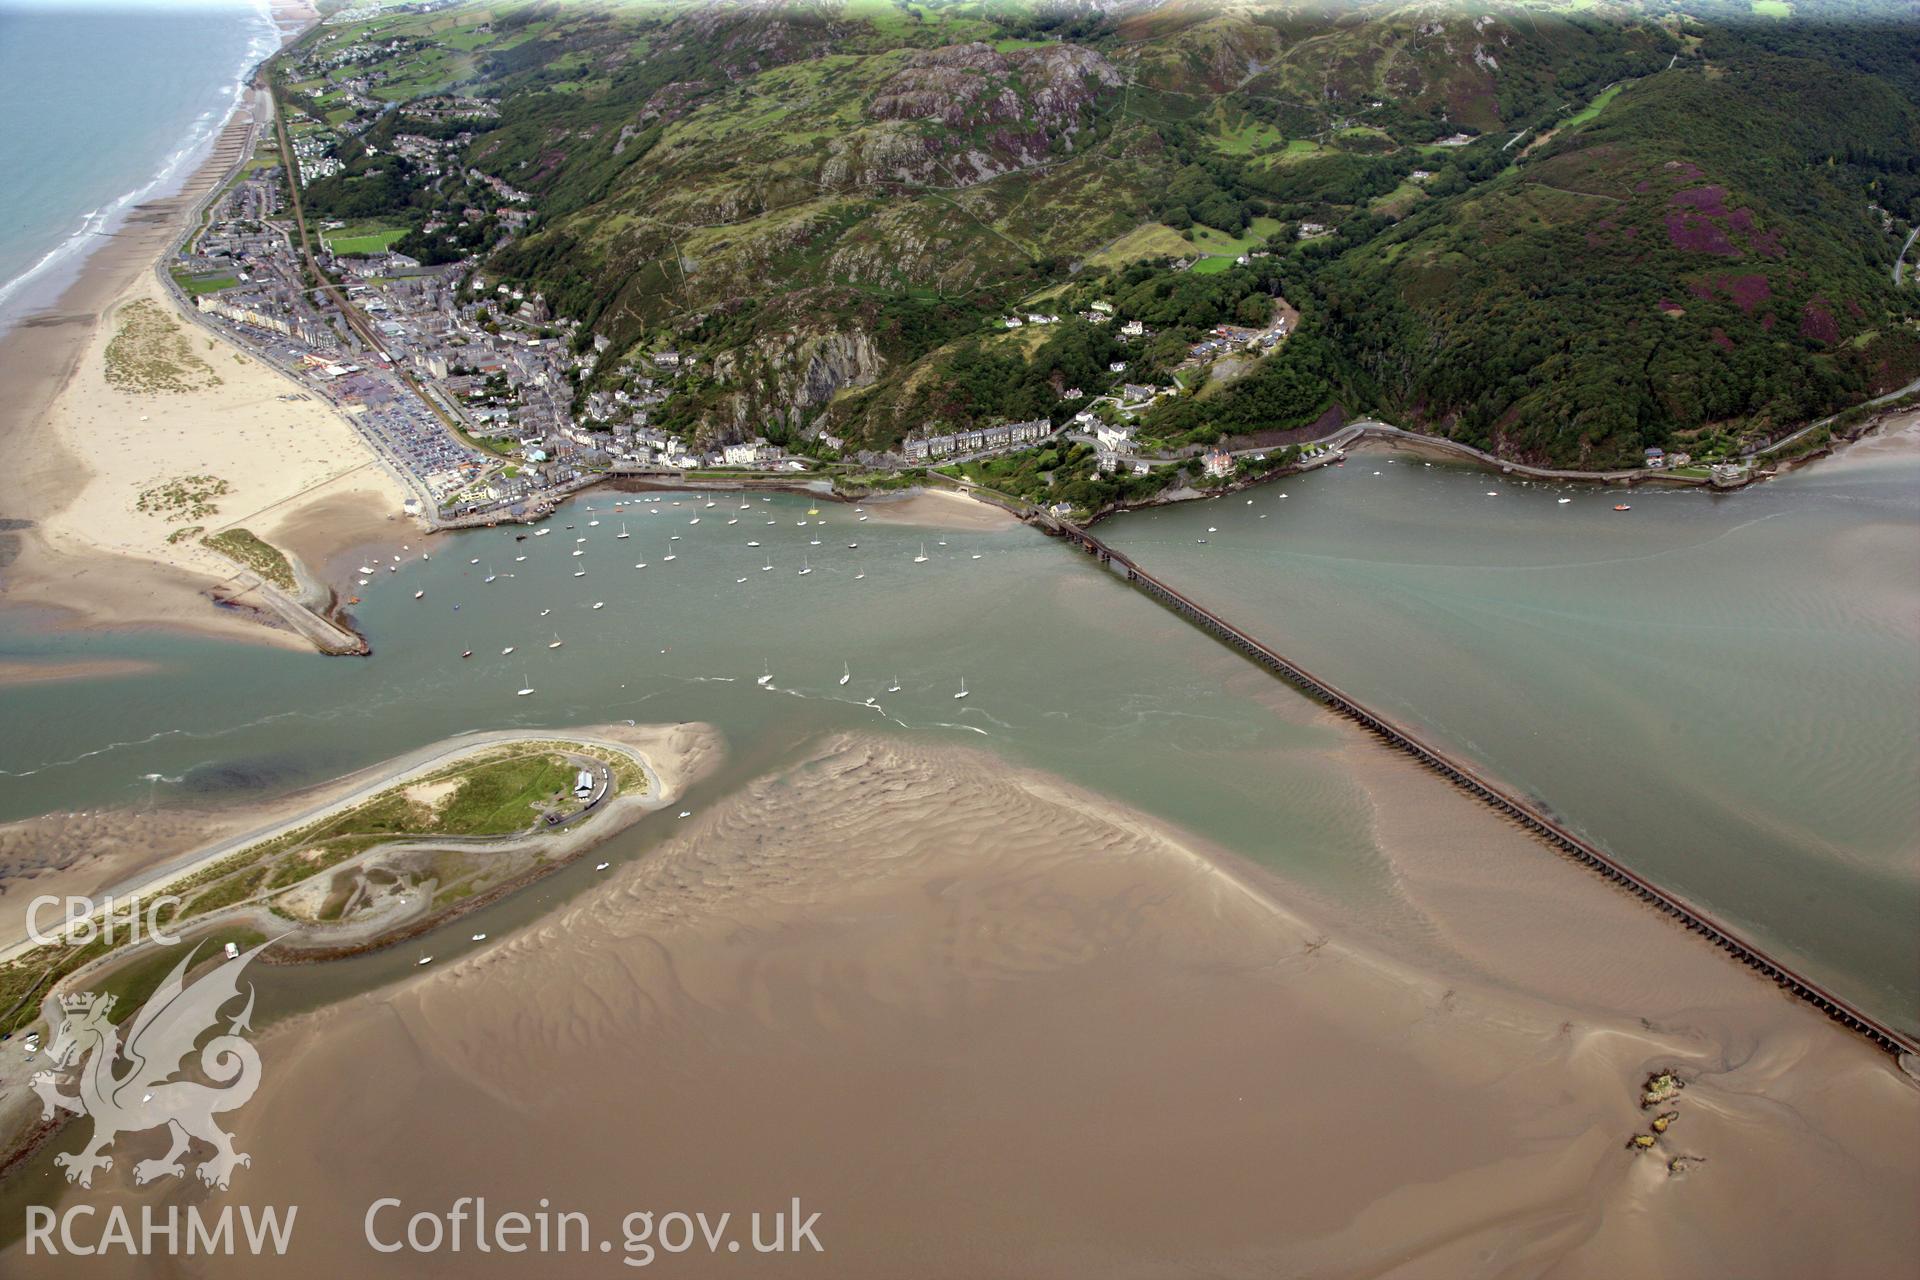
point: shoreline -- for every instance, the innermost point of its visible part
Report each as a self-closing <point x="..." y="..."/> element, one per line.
<point x="694" y="748"/>
<point x="73" y="542"/>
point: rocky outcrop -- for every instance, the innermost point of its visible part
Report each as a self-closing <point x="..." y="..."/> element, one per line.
<point x="996" y="112"/>
<point x="975" y="83"/>
<point x="788" y="377"/>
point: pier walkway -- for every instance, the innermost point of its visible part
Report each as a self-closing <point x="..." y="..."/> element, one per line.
<point x="1468" y="780"/>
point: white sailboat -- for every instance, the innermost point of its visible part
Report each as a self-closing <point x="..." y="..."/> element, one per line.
<point x="846" y="673"/>
<point x="599" y="604"/>
<point x="541" y="533"/>
<point x="963" y="689"/>
<point x="491" y="575"/>
<point x="525" y="689"/>
<point x="922" y="557"/>
<point x="753" y="542"/>
<point x="579" y="573"/>
<point x="669" y="555"/>
<point x="623" y="530"/>
<point x="418" y="594"/>
<point x="504" y="652"/>
<point x="895" y="686"/>
<point x="695" y="520"/>
<point x="769" y="564"/>
<point x="767" y="677"/>
<point x="805" y="568"/>
<point x="556" y="642"/>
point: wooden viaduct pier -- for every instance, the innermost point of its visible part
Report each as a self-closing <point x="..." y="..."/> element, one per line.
<point x="1464" y="777"/>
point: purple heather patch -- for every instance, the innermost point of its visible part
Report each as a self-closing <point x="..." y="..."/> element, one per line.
<point x="1699" y="235"/>
<point x="1706" y="199"/>
<point x="1816" y="322"/>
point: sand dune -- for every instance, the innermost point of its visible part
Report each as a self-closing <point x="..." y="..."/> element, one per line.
<point x="989" y="1024"/>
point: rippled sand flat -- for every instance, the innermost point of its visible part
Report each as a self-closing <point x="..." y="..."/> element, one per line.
<point x="987" y="1023"/>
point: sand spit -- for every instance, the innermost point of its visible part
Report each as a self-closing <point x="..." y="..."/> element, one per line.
<point x="79" y="853"/>
<point x="131" y="851"/>
<point x="16" y="671"/>
<point x="984" y="1018"/>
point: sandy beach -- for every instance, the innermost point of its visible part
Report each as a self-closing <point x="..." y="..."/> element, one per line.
<point x="128" y="456"/>
<point x="937" y="508"/>
<point x="1090" y="1045"/>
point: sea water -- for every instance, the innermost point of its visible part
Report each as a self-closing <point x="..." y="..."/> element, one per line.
<point x="103" y="107"/>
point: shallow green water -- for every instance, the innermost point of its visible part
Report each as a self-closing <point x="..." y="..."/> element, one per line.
<point x="1721" y="689"/>
<point x="1695" y="685"/>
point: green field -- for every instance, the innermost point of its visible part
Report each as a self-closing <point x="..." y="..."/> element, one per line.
<point x="1599" y="104"/>
<point x="1211" y="266"/>
<point x="1247" y="138"/>
<point x="350" y="240"/>
<point x="1210" y="240"/>
<point x="209" y="282"/>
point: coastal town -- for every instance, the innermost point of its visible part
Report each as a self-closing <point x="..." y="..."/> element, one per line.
<point x="488" y="400"/>
<point x="470" y="388"/>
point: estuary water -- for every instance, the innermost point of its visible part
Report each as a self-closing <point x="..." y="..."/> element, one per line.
<point x="1719" y="689"/>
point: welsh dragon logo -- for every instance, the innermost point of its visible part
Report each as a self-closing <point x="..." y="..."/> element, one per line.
<point x="126" y="1088"/>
